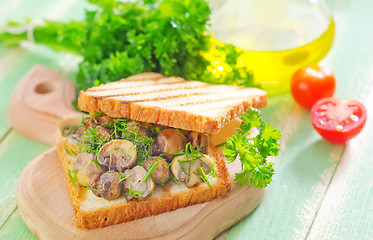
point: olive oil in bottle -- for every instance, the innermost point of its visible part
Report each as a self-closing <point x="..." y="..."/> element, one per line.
<point x="277" y="36"/>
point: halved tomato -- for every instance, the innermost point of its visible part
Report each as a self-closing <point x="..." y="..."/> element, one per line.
<point x="338" y="121"/>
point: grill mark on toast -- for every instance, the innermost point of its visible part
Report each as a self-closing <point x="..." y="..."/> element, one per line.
<point x="134" y="84"/>
<point x="160" y="98"/>
<point x="208" y="97"/>
<point x="169" y="94"/>
<point x="150" y="89"/>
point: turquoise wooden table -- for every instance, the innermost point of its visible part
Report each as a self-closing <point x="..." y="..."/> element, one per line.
<point x="320" y="190"/>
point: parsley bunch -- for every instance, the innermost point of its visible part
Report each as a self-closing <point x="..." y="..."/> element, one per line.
<point x="253" y="151"/>
<point x="118" y="39"/>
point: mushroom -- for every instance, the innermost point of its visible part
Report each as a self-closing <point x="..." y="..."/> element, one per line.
<point x="107" y="185"/>
<point x="98" y="124"/>
<point x="199" y="139"/>
<point x="184" y="168"/>
<point x="94" y="183"/>
<point x="84" y="163"/>
<point x="169" y="141"/>
<point x="133" y="127"/>
<point x="134" y="186"/>
<point x="161" y="173"/>
<point x="94" y="122"/>
<point x="117" y="154"/>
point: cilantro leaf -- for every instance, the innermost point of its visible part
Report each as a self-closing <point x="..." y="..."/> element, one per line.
<point x="253" y="151"/>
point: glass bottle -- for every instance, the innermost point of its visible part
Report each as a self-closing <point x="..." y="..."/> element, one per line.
<point x="277" y="36"/>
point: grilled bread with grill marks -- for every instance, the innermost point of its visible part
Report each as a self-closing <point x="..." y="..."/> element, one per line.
<point x="172" y="101"/>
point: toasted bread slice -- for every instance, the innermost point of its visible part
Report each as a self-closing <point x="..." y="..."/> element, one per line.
<point x="171" y="101"/>
<point x="92" y="212"/>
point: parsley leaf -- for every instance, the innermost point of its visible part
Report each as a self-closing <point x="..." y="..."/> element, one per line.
<point x="253" y="151"/>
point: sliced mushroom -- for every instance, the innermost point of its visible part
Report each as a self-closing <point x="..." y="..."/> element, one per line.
<point x="84" y="163"/>
<point x="199" y="139"/>
<point x="134" y="185"/>
<point x="117" y="154"/>
<point x="161" y="172"/>
<point x="184" y="168"/>
<point x="107" y="185"/>
<point x="169" y="141"/>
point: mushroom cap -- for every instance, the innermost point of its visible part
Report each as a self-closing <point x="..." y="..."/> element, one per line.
<point x="134" y="182"/>
<point x="97" y="123"/>
<point x="169" y="141"/>
<point x="94" y="183"/>
<point x="84" y="163"/>
<point x="110" y="187"/>
<point x="199" y="139"/>
<point x="185" y="171"/>
<point x="133" y="126"/>
<point x="118" y="154"/>
<point x="161" y="172"/>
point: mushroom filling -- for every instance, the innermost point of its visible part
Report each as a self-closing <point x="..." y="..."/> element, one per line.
<point x="120" y="157"/>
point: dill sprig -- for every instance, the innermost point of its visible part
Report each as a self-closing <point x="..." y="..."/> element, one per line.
<point x="202" y="175"/>
<point x="70" y="151"/>
<point x="134" y="193"/>
<point x="89" y="188"/>
<point x="72" y="176"/>
<point x="121" y="130"/>
<point x="92" y="142"/>
<point x="191" y="155"/>
<point x="150" y="170"/>
<point x="122" y="177"/>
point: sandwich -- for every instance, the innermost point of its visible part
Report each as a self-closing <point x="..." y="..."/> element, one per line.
<point x="146" y="149"/>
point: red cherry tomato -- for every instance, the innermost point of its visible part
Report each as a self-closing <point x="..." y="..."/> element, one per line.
<point x="310" y="84"/>
<point x="338" y="121"/>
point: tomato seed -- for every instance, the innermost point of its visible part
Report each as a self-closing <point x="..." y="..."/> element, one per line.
<point x="354" y="118"/>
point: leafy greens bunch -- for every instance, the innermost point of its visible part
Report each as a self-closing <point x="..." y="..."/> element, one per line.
<point x="119" y="39"/>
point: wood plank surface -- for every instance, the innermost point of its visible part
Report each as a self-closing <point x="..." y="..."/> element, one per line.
<point x="15" y="228"/>
<point x="307" y="163"/>
<point x="347" y="210"/>
<point x="16" y="151"/>
<point x="304" y="170"/>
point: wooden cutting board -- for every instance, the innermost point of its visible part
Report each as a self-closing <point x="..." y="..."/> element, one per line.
<point x="42" y="196"/>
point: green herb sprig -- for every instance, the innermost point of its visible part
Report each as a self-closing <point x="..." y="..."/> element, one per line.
<point x="253" y="151"/>
<point x="134" y="193"/>
<point x="121" y="38"/>
<point x="202" y="175"/>
<point x="192" y="154"/>
<point x="72" y="176"/>
<point x="150" y="170"/>
<point x="121" y="130"/>
<point x="91" y="141"/>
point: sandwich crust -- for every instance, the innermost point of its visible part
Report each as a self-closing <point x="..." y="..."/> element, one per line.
<point x="174" y="102"/>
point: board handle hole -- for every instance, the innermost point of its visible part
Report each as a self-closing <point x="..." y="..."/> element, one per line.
<point x="44" y="88"/>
